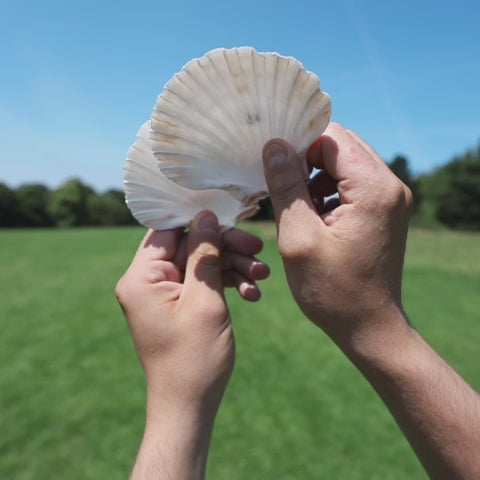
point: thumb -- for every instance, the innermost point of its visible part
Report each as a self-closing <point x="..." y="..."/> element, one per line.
<point x="286" y="181"/>
<point x="203" y="273"/>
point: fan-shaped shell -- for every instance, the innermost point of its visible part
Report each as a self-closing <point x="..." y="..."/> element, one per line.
<point x="158" y="203"/>
<point x="211" y="122"/>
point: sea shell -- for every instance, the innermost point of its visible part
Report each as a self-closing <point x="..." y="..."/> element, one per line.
<point x="211" y="122"/>
<point x="158" y="203"/>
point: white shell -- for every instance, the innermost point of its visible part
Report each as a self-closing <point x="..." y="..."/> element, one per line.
<point x="211" y="122"/>
<point x="158" y="203"/>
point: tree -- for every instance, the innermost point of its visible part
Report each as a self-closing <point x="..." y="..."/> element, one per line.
<point x="458" y="204"/>
<point x="9" y="208"/>
<point x="109" y="209"/>
<point x="33" y="201"/>
<point x="399" y="166"/>
<point x="69" y="204"/>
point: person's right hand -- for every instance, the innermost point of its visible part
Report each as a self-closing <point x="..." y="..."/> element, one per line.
<point x="344" y="264"/>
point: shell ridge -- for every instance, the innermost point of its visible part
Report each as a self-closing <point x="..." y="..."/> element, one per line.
<point x="293" y="120"/>
<point x="279" y="99"/>
<point x="230" y="134"/>
<point x="186" y="141"/>
<point x="287" y="100"/>
<point x="212" y="128"/>
<point x="244" y="134"/>
<point x="146" y="183"/>
<point x="251" y="108"/>
<point x="274" y="92"/>
<point x="268" y="98"/>
<point x="259" y="98"/>
<point x="178" y="157"/>
<point x="189" y="120"/>
<point x="183" y="175"/>
<point x="312" y="110"/>
<point x="226" y="107"/>
<point x="230" y="113"/>
<point x="319" y="121"/>
<point x="306" y="100"/>
<point x="306" y="112"/>
<point x="151" y="165"/>
<point x="208" y="129"/>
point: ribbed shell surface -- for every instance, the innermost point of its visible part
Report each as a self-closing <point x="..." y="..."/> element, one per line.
<point x="211" y="122"/>
<point x="160" y="204"/>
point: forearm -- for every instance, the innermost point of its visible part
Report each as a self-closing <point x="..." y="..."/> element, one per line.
<point x="436" y="409"/>
<point x="175" y="443"/>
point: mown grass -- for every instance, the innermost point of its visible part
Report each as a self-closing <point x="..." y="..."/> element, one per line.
<point x="72" y="391"/>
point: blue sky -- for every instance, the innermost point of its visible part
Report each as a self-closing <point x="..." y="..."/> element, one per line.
<point x="79" y="78"/>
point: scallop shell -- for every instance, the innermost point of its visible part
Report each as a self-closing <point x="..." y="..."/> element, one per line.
<point x="158" y="203"/>
<point x="211" y="122"/>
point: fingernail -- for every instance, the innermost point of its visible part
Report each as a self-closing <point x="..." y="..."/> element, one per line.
<point x="208" y="223"/>
<point x="275" y="156"/>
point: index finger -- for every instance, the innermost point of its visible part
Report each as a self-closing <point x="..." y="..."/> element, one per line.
<point x="342" y="156"/>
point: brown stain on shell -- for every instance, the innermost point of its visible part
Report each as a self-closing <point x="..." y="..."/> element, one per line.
<point x="166" y="125"/>
<point x="243" y="90"/>
<point x="166" y="138"/>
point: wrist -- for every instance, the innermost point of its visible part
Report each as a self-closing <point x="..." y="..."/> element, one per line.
<point x="385" y="335"/>
<point x="176" y="441"/>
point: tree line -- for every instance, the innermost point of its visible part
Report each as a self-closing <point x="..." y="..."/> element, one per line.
<point x="73" y="204"/>
<point x="449" y="196"/>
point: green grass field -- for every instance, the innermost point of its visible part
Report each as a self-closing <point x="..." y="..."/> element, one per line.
<point x="72" y="391"/>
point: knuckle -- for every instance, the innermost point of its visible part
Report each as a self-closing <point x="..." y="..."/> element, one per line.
<point x="207" y="254"/>
<point x="286" y="189"/>
<point x="213" y="306"/>
<point x="120" y="291"/>
<point x="294" y="249"/>
<point x="409" y="200"/>
<point x="398" y="197"/>
<point x="395" y="194"/>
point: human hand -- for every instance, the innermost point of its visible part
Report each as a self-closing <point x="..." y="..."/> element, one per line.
<point x="343" y="260"/>
<point x="344" y="263"/>
<point x="172" y="296"/>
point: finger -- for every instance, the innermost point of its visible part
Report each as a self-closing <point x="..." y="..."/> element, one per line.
<point x="341" y="155"/>
<point x="241" y="242"/>
<point x="180" y="258"/>
<point x="203" y="273"/>
<point x="247" y="266"/>
<point x="366" y="146"/>
<point x="237" y="244"/>
<point x="287" y="185"/>
<point x="247" y="289"/>
<point x="158" y="245"/>
<point x="162" y="271"/>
